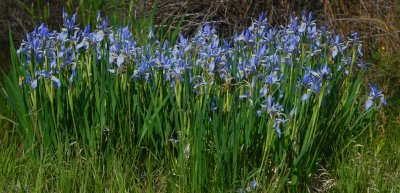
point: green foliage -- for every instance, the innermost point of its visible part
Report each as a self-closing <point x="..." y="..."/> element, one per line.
<point x="182" y="139"/>
<point x="371" y="164"/>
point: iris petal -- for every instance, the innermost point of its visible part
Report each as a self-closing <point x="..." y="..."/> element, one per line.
<point x="305" y="97"/>
<point x="34" y="84"/>
<point x="369" y="103"/>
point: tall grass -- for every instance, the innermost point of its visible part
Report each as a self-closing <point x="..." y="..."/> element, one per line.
<point x="6" y="122"/>
<point x="258" y="111"/>
<point x="372" y="163"/>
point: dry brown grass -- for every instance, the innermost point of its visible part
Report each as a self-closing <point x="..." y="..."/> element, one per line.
<point x="377" y="20"/>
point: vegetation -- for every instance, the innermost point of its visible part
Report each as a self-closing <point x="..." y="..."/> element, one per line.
<point x="98" y="107"/>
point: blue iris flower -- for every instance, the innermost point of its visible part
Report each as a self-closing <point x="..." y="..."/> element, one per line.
<point x="253" y="185"/>
<point x="373" y="96"/>
<point x="69" y="23"/>
<point x="277" y="125"/>
<point x="56" y="81"/>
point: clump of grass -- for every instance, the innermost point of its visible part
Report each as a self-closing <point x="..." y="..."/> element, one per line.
<point x="257" y="111"/>
<point x="372" y="165"/>
<point x="69" y="171"/>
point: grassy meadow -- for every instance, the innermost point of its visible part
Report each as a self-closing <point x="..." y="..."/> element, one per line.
<point x="112" y="103"/>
